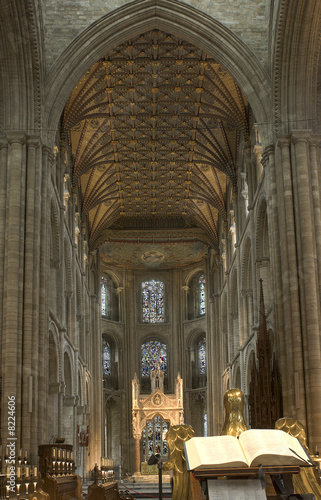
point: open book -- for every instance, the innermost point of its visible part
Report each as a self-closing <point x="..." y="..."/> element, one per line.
<point x="251" y="449"/>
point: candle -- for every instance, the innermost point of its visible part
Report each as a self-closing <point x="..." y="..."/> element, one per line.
<point x="27" y="471"/>
<point x="8" y="472"/>
<point x="7" y="452"/>
<point x="18" y="472"/>
<point x="26" y="454"/>
<point x="53" y="452"/>
<point x="20" y="454"/>
<point x="35" y="471"/>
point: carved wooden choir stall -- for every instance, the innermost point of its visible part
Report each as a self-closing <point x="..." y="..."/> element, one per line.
<point x="57" y="470"/>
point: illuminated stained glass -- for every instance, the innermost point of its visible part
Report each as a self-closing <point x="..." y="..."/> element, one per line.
<point x="201" y="284"/>
<point x="103" y="297"/>
<point x="154" y="438"/>
<point x="153" y="301"/>
<point x="202" y="356"/>
<point x="106" y="358"/>
<point x="153" y="355"/>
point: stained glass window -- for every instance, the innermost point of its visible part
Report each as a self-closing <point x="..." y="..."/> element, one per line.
<point x="106" y="358"/>
<point x="153" y="301"/>
<point x="153" y="354"/>
<point x="104" y="296"/>
<point x="154" y="438"/>
<point x="202" y="356"/>
<point x="205" y="424"/>
<point x="201" y="284"/>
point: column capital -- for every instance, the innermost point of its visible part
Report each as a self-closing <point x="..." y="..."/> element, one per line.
<point x="315" y="140"/>
<point x="34" y="141"/>
<point x="16" y="138"/>
<point x="300" y="136"/>
<point x="283" y="141"/>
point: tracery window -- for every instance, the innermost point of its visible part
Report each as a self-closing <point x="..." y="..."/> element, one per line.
<point x="106" y="358"/>
<point x="153" y="355"/>
<point x="154" y="438"/>
<point x="201" y="284"/>
<point x="202" y="356"/>
<point x="103" y="296"/>
<point x="153" y="301"/>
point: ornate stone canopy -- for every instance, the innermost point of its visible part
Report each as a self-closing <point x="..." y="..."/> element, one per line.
<point x="154" y="130"/>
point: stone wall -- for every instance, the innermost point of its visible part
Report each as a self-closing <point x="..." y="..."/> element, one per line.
<point x="64" y="20"/>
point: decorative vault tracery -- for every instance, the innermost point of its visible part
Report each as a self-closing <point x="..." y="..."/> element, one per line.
<point x="154" y="129"/>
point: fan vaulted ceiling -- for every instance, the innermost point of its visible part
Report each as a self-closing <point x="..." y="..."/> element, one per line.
<point x="154" y="130"/>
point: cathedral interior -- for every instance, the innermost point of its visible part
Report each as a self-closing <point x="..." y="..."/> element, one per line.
<point x="160" y="213"/>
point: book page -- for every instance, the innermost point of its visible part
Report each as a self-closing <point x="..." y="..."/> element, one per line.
<point x="271" y="447"/>
<point x="214" y="451"/>
<point x="236" y="489"/>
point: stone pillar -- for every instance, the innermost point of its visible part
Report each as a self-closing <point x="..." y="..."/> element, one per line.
<point x="13" y="278"/>
<point x="292" y="366"/>
<point x="137" y="453"/>
<point x="274" y="238"/>
<point x="308" y="282"/>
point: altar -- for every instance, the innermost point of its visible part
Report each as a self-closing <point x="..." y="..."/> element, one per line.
<point x="152" y="415"/>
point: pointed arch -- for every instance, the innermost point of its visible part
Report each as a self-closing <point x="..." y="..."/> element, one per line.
<point x="173" y="17"/>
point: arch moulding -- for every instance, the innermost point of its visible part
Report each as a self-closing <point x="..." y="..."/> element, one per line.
<point x="167" y="15"/>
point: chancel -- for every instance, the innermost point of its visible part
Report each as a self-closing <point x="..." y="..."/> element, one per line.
<point x="160" y="225"/>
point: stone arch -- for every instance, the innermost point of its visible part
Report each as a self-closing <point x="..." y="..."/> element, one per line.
<point x="23" y="60"/>
<point x="68" y="374"/>
<point x="250" y="352"/>
<point x="54" y="335"/>
<point x="115" y="378"/>
<point x="237" y="379"/>
<point x="53" y="362"/>
<point x="247" y="287"/>
<point x="296" y="53"/>
<point x="193" y="273"/>
<point x="80" y="386"/>
<point x="171" y="16"/>
<point x="116" y="279"/>
<point x="54" y="379"/>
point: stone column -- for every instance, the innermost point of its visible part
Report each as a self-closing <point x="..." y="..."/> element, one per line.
<point x="274" y="239"/>
<point x="308" y="284"/>
<point x="13" y="277"/>
<point x="292" y="367"/>
<point x="137" y="453"/>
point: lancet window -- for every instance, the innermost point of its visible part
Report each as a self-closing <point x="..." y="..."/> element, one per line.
<point x="106" y="358"/>
<point x="153" y="301"/>
<point x="201" y="285"/>
<point x="202" y="356"/>
<point x="104" y="298"/>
